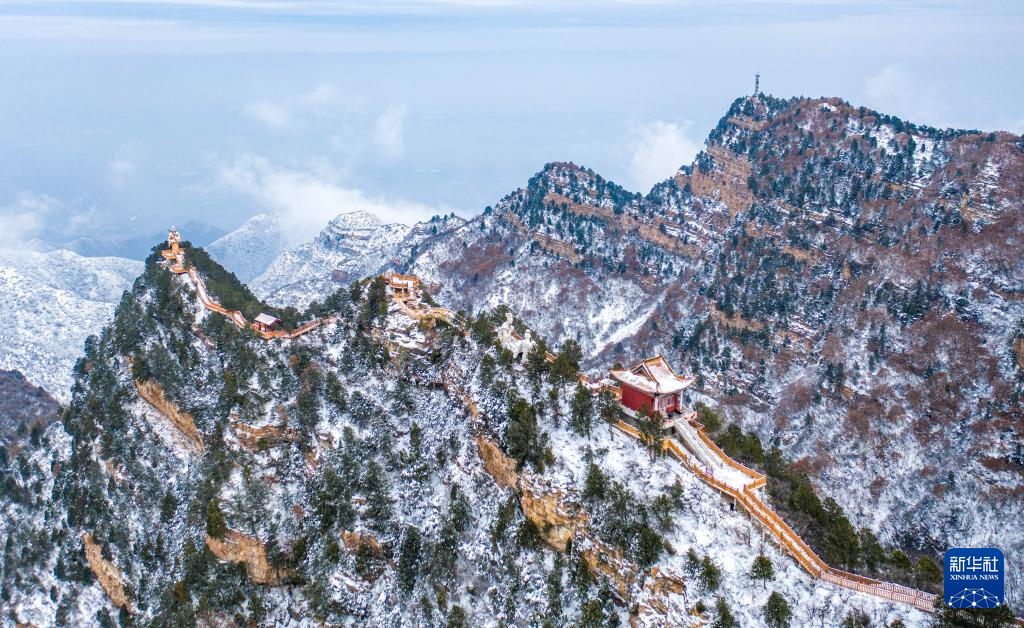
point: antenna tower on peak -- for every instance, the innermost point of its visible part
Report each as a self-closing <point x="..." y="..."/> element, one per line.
<point x="757" y="83"/>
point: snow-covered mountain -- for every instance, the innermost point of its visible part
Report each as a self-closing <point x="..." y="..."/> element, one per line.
<point x="215" y="478"/>
<point x="352" y="246"/>
<point x="50" y="302"/>
<point x="250" y="249"/>
<point x="827" y="271"/>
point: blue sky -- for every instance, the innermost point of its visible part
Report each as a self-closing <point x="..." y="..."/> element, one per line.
<point x="122" y="117"/>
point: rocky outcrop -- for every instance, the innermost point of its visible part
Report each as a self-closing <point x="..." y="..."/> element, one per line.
<point x="556" y="516"/>
<point x="497" y="464"/>
<point x="651" y="229"/>
<point x="185" y="422"/>
<point x="726" y="181"/>
<point x="106" y="572"/>
<point x="559" y="518"/>
<point x="256" y="438"/>
<point x="1018" y="350"/>
<point x="236" y="547"/>
<point x="609" y="563"/>
<point x="354" y="541"/>
<point x="656" y="606"/>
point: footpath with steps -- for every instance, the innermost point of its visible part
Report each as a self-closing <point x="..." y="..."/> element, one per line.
<point x="714" y="467"/>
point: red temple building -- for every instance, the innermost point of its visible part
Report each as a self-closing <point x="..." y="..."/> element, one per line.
<point x="652" y="384"/>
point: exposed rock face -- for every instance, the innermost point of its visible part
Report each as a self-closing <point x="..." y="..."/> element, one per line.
<point x="724" y="178"/>
<point x="497" y="464"/>
<point x="185" y="422"/>
<point x="556" y="516"/>
<point x="254" y="438"/>
<point x="560" y="519"/>
<point x="354" y="541"/>
<point x="609" y="562"/>
<point x="106" y="572"/>
<point x="236" y="547"/>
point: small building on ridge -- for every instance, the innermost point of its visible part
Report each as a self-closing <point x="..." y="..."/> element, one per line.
<point x="266" y="322"/>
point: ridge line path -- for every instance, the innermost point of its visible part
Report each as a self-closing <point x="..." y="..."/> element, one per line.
<point x="236" y="316"/>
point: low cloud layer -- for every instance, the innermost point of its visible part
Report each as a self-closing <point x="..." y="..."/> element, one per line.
<point x="283" y="112"/>
<point x="892" y="90"/>
<point x="657" y="150"/>
<point x="24" y="219"/>
<point x="388" y="131"/>
<point x="306" y="200"/>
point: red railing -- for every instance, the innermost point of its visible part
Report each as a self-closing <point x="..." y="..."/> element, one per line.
<point x="778" y="528"/>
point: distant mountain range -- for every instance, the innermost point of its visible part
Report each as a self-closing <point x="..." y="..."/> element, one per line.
<point x="50" y="302"/>
<point x="139" y="247"/>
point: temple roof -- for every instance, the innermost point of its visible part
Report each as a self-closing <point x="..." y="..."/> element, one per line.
<point x="267" y="319"/>
<point x="653" y="376"/>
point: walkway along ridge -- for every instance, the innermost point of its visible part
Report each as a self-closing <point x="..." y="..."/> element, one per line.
<point x="235" y="316"/>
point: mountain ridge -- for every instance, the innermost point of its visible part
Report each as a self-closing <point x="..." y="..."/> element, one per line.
<point x="815" y="260"/>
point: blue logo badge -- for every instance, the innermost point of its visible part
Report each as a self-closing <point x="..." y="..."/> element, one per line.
<point x="974" y="577"/>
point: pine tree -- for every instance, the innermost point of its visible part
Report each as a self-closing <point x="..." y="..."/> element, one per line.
<point x="595" y="486"/>
<point x="582" y="411"/>
<point x="409" y="559"/>
<point x="457" y="618"/>
<point x="651" y="425"/>
<point x="725" y="617"/>
<point x="216" y="526"/>
<point x="927" y="572"/>
<point x="378" y="498"/>
<point x="710" y="576"/>
<point x="521" y="435"/>
<point x="554" y="610"/>
<point x="777" y="613"/>
<point x="592" y="614"/>
<point x="566" y="366"/>
<point x="762" y="570"/>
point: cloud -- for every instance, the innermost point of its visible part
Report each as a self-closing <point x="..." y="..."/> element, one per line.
<point x="657" y="150"/>
<point x="280" y="113"/>
<point x="388" y="130"/>
<point x="272" y="114"/>
<point x="25" y="218"/>
<point x="895" y="92"/>
<point x="125" y="165"/>
<point x="306" y="200"/>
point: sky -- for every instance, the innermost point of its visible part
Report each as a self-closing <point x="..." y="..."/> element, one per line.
<point x="120" y="118"/>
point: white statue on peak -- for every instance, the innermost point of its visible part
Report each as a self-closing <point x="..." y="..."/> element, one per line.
<point x="520" y="347"/>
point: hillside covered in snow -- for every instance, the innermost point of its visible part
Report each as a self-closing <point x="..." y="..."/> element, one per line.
<point x="352" y="246"/>
<point x="51" y="302"/>
<point x="842" y="282"/>
<point x="380" y="470"/>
